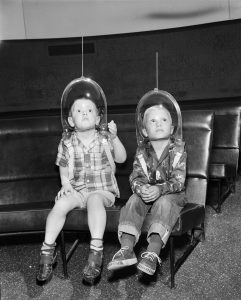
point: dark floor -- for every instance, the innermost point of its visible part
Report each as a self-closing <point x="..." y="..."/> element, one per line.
<point x="212" y="271"/>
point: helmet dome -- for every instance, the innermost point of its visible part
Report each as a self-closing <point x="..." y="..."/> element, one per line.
<point x="160" y="98"/>
<point x="82" y="88"/>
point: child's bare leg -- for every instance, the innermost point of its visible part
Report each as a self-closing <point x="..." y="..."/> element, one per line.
<point x="97" y="222"/>
<point x="54" y="224"/>
<point x="56" y="218"/>
<point x="96" y="218"/>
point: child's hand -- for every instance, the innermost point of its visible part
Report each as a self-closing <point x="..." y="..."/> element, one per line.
<point x="150" y="193"/>
<point x="66" y="190"/>
<point x="145" y="189"/>
<point x="145" y="192"/>
<point x="112" y="129"/>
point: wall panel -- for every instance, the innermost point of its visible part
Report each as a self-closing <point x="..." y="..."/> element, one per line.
<point x="198" y="62"/>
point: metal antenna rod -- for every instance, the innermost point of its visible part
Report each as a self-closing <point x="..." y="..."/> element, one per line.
<point x="82" y="57"/>
<point x="157" y="70"/>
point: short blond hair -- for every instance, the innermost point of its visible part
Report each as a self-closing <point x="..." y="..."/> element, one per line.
<point x="155" y="107"/>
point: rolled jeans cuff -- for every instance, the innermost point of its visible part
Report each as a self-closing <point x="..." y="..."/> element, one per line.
<point x="163" y="231"/>
<point x="130" y="229"/>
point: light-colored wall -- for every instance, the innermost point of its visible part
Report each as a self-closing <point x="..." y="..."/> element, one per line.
<point x="39" y="19"/>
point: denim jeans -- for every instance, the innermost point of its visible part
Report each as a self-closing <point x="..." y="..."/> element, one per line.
<point x="164" y="214"/>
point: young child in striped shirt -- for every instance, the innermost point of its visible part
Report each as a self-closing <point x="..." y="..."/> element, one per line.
<point x="157" y="182"/>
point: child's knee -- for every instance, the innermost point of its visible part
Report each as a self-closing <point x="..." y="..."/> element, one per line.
<point x="62" y="206"/>
<point x="134" y="201"/>
<point x="162" y="203"/>
<point x="94" y="197"/>
<point x="95" y="200"/>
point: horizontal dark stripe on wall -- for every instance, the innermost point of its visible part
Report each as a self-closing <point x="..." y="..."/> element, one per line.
<point x="71" y="49"/>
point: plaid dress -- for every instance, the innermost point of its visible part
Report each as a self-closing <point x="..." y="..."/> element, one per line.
<point x="89" y="168"/>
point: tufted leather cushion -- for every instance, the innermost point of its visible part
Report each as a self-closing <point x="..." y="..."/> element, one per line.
<point x="29" y="147"/>
<point x="226" y="140"/>
<point x="197" y="133"/>
<point x="217" y="170"/>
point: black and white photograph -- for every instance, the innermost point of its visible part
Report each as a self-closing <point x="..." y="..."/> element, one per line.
<point x="120" y="166"/>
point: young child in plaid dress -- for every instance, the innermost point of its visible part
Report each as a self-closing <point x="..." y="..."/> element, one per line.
<point x="157" y="181"/>
<point x="88" y="181"/>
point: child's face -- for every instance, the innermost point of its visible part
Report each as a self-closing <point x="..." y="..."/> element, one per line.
<point x="158" y="123"/>
<point x="84" y="115"/>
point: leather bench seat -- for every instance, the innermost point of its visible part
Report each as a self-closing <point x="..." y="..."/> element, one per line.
<point x="191" y="214"/>
<point x="24" y="217"/>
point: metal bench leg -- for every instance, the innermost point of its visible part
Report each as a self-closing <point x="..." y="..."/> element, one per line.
<point x="63" y="254"/>
<point x="218" y="209"/>
<point x="172" y="262"/>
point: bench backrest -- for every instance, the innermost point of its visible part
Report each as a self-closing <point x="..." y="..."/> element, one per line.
<point x="29" y="147"/>
<point x="28" y="151"/>
<point x="197" y="132"/>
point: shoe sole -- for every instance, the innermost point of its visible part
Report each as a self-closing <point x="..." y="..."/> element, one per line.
<point x="120" y="265"/>
<point x="91" y="280"/>
<point x="145" y="269"/>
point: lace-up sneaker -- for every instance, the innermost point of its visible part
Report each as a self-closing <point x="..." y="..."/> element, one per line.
<point x="123" y="258"/>
<point x="149" y="262"/>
